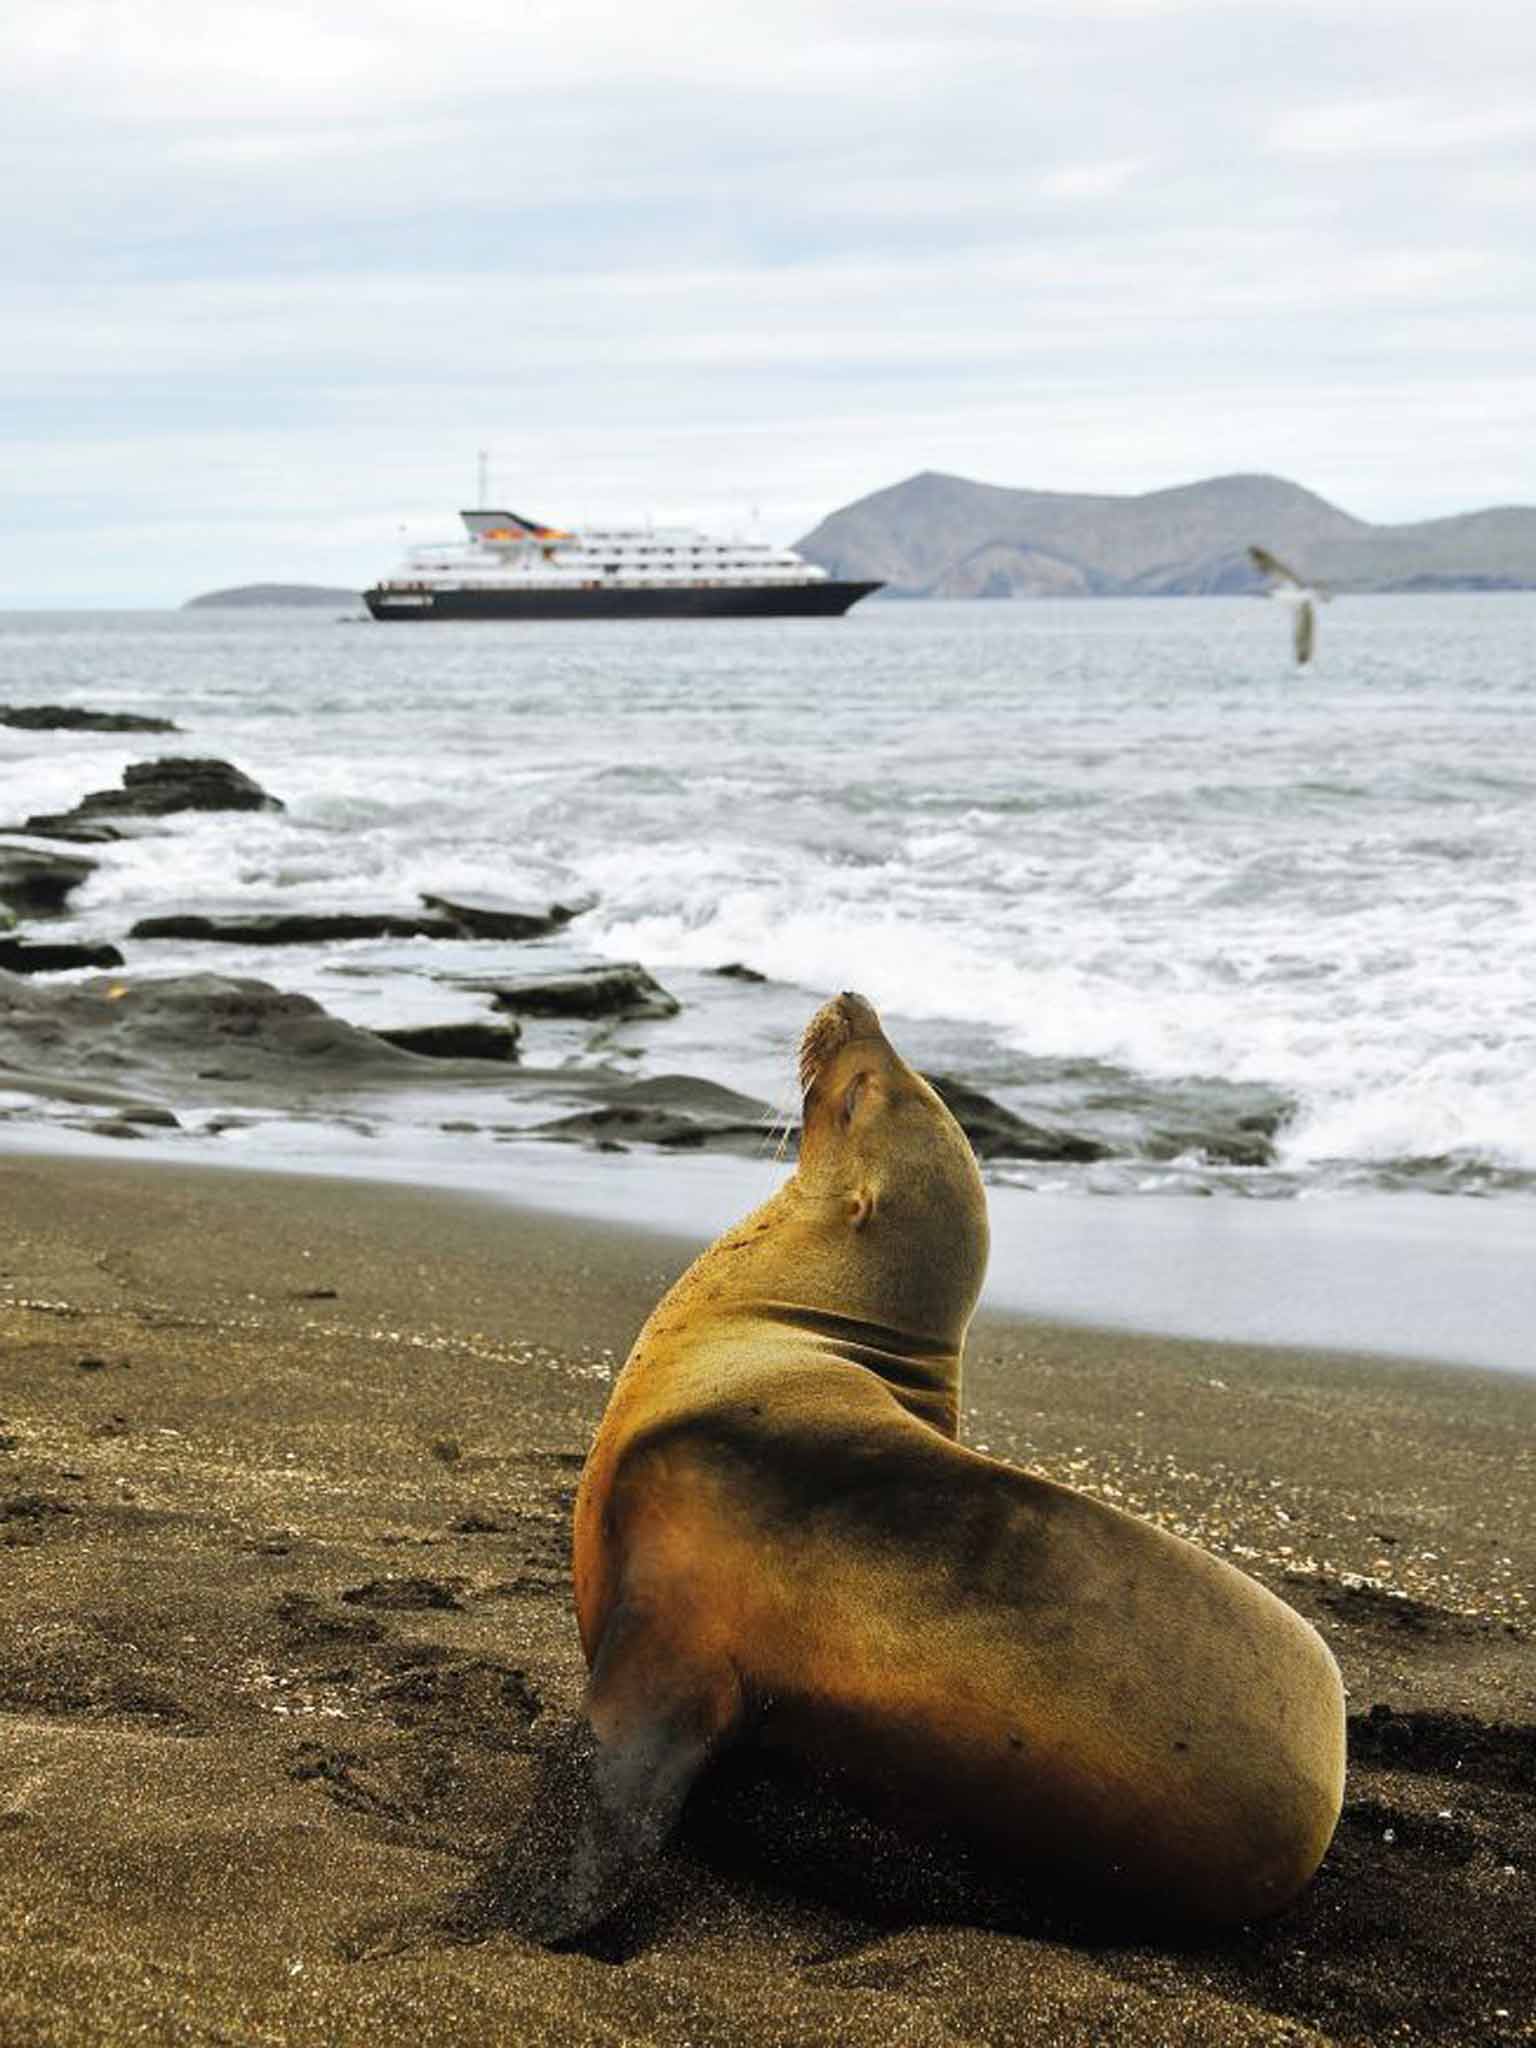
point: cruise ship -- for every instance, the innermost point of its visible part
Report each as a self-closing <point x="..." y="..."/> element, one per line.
<point x="513" y="568"/>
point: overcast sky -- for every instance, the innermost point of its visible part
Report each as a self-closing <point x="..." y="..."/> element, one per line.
<point x="273" y="275"/>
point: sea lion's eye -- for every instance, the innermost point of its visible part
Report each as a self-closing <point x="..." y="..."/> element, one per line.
<point x="851" y="1098"/>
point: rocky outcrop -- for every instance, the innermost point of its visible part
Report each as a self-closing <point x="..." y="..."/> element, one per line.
<point x="75" y="718"/>
<point x="22" y="956"/>
<point x="208" y="1026"/>
<point x="467" y="917"/>
<point x="34" y="880"/>
<point x="501" y="917"/>
<point x="1224" y="1123"/>
<point x="156" y="789"/>
<point x="1122" y="1116"/>
<point x="674" y="1112"/>
<point x="474" y="1039"/>
<point x="612" y="989"/>
<point x="1246" y="1141"/>
<point x="293" y="927"/>
<point x="678" y="1113"/>
<point x="997" y="1133"/>
<point x="136" y="1047"/>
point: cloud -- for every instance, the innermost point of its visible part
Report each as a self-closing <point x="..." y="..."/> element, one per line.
<point x="149" y="58"/>
<point x="290" y="147"/>
<point x="1092" y="180"/>
<point x="1409" y="127"/>
<point x="688" y="258"/>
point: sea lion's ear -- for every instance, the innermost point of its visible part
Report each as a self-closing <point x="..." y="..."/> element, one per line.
<point x="861" y="1205"/>
<point x="850" y="1103"/>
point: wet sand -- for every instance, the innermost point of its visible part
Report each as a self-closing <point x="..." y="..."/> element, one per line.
<point x="285" y="1476"/>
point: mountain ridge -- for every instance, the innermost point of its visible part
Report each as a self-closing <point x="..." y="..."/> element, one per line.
<point x="939" y="535"/>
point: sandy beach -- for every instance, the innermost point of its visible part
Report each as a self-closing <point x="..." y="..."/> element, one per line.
<point x="286" y="1467"/>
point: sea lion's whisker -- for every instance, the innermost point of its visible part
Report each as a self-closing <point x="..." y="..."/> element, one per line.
<point x="787" y="1126"/>
<point x="779" y="1123"/>
<point x="827" y="1033"/>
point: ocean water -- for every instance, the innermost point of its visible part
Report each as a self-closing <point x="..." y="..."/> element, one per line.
<point x="1119" y="864"/>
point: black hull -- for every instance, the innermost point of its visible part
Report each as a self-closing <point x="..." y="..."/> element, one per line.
<point x="765" y="601"/>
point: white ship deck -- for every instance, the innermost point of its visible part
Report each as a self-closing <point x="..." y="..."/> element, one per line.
<point x="505" y="552"/>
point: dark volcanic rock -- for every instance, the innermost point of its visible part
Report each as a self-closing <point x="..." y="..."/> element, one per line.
<point x="614" y="1127"/>
<point x="475" y="1039"/>
<point x="1234" y="1147"/>
<point x="80" y="831"/>
<point x="74" y="718"/>
<point x="737" y="970"/>
<point x="617" y="989"/>
<point x="1197" y="1119"/>
<point x="675" y="1112"/>
<point x="1229" y="1123"/>
<point x="454" y="918"/>
<point x="22" y="958"/>
<point x="293" y="927"/>
<point x="693" y="1097"/>
<point x="498" y="917"/>
<point x="35" y="880"/>
<point x="155" y="789"/>
<point x="996" y="1133"/>
<point x="184" y="782"/>
<point x="205" y="1025"/>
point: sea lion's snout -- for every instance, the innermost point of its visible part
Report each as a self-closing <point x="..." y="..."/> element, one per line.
<point x="835" y="1024"/>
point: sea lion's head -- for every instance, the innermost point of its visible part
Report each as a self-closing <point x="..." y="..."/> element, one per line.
<point x="882" y="1156"/>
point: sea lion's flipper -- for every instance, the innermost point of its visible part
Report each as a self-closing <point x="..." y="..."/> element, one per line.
<point x="611" y="1787"/>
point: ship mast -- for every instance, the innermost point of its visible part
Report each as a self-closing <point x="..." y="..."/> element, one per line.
<point x="483" y="478"/>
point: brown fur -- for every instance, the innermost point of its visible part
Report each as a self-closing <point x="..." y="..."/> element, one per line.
<point x="777" y="1534"/>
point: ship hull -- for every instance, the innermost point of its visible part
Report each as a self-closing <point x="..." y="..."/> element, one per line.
<point x="740" y="601"/>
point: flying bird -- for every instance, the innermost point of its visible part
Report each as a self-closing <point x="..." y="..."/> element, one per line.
<point x="1285" y="583"/>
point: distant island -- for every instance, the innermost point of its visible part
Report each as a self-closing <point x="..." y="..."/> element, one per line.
<point x="944" y="536"/>
<point x="271" y="596"/>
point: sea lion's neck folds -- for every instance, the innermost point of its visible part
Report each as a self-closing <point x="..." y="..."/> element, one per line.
<point x="922" y="1372"/>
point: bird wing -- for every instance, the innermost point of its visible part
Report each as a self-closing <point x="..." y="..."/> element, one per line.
<point x="1271" y="565"/>
<point x="1304" y="631"/>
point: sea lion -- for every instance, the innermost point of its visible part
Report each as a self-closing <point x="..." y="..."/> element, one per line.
<point x="778" y="1535"/>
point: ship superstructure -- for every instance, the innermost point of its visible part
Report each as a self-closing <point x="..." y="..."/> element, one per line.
<point x="515" y="568"/>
